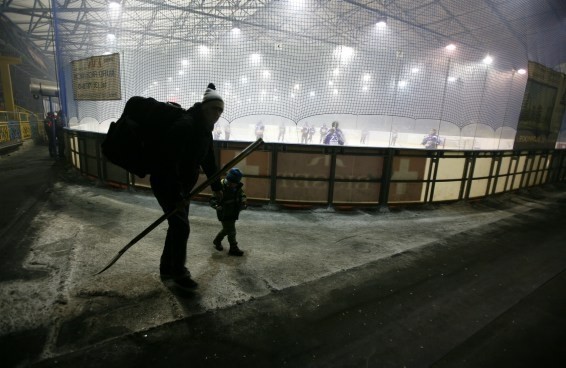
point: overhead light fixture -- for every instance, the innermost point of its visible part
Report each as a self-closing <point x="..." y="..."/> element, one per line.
<point x="235" y="28"/>
<point x="203" y="50"/>
<point x="255" y="58"/>
<point x="451" y="47"/>
<point x="521" y="71"/>
<point x="487" y="60"/>
<point x="381" y="22"/>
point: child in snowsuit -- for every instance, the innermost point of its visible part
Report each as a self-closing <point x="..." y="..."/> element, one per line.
<point x="227" y="210"/>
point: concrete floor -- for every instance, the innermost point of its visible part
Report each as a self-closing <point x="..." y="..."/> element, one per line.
<point x="469" y="284"/>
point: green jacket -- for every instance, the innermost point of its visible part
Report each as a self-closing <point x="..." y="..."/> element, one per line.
<point x="233" y="201"/>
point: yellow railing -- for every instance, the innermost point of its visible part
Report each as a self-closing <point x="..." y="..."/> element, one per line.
<point x="18" y="126"/>
<point x="4" y="133"/>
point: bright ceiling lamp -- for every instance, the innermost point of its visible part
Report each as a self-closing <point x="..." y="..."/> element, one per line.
<point x="203" y="50"/>
<point x="521" y="71"/>
<point x="255" y="58"/>
<point x="235" y="30"/>
<point x="487" y="60"/>
<point x="114" y="9"/>
<point x="451" y="47"/>
<point x="344" y="54"/>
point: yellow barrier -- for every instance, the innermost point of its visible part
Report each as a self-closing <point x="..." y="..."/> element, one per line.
<point x="4" y="133"/>
<point x="17" y="126"/>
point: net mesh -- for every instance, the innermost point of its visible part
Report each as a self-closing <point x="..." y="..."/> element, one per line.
<point x="295" y="63"/>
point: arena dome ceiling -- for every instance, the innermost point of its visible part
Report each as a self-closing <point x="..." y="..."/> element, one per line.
<point x="533" y="28"/>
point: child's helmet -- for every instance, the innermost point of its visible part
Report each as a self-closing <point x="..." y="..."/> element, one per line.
<point x="234" y="175"/>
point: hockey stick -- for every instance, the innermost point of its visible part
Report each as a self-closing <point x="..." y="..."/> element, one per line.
<point x="246" y="152"/>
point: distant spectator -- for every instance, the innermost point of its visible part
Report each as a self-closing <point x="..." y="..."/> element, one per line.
<point x="432" y="140"/>
<point x="334" y="137"/>
<point x="312" y="130"/>
<point x="217" y="133"/>
<point x="281" y="136"/>
<point x="60" y="133"/>
<point x="259" y="129"/>
<point x="393" y="138"/>
<point x="227" y="132"/>
<point x="49" y="126"/>
<point x="364" y="137"/>
<point x="305" y="133"/>
<point x="323" y="131"/>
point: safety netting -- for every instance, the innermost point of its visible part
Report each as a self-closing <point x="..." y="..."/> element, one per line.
<point x="388" y="72"/>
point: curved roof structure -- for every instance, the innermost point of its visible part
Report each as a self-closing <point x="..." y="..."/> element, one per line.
<point x="535" y="29"/>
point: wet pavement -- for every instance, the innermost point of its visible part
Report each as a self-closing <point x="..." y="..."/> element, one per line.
<point x="468" y="284"/>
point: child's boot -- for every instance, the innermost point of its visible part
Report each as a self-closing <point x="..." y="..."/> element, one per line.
<point x="218" y="244"/>
<point x="235" y="251"/>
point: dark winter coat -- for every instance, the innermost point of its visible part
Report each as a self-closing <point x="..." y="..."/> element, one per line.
<point x="183" y="148"/>
<point x="233" y="201"/>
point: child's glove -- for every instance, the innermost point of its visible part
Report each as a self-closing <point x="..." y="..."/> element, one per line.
<point x="214" y="204"/>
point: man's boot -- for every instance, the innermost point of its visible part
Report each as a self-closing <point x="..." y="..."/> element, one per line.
<point x="235" y="251"/>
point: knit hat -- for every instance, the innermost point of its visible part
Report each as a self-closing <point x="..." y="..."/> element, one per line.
<point x="210" y="94"/>
<point x="234" y="175"/>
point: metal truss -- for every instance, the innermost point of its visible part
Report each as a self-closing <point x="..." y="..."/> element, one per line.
<point x="92" y="26"/>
